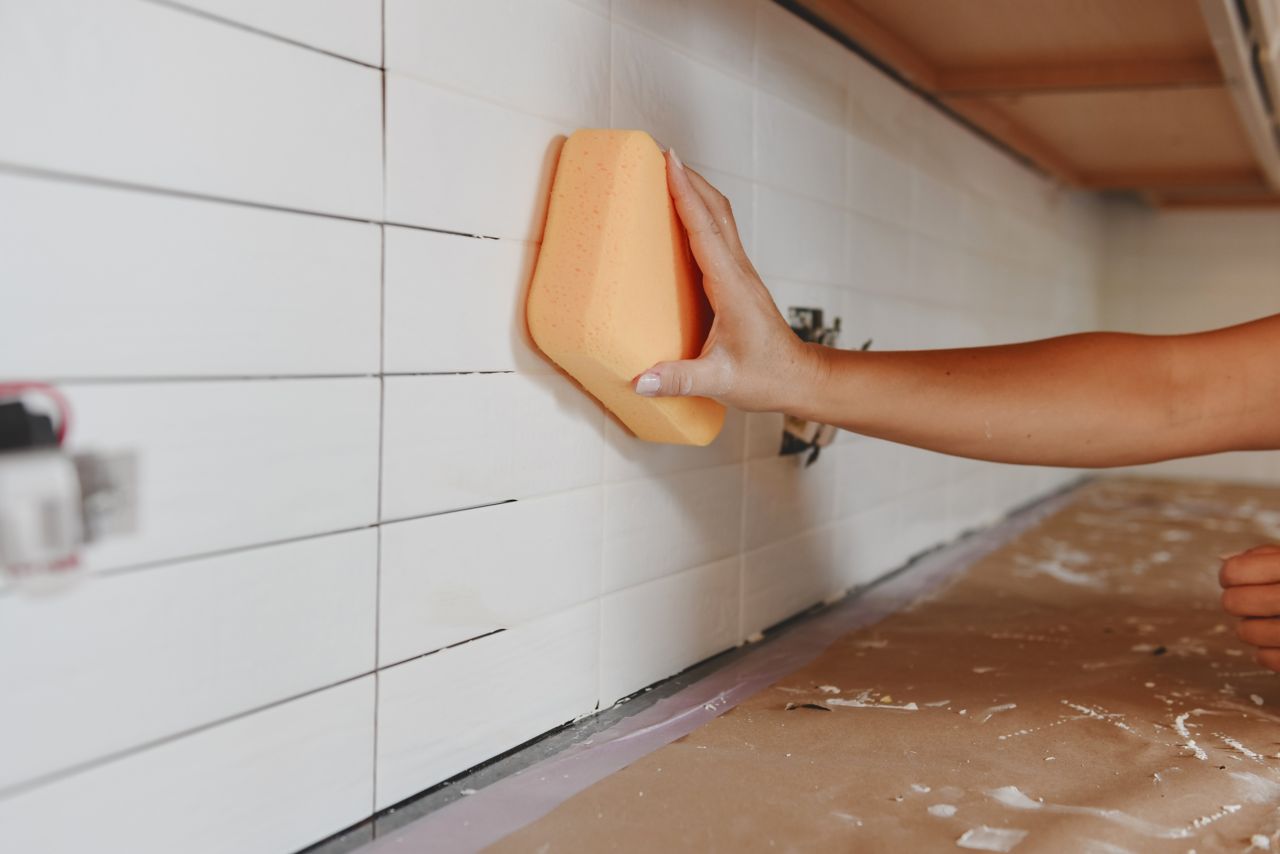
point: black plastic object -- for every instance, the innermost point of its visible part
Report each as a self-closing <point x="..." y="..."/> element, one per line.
<point x="21" y="428"/>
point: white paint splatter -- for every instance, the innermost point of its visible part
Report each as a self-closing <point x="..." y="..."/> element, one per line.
<point x="995" y="710"/>
<point x="1012" y="796"/>
<point x="985" y="838"/>
<point x="942" y="810"/>
<point x="1099" y="714"/>
<point x="1257" y="701"/>
<point x="852" y="819"/>
<point x="1236" y="745"/>
<point x="1205" y="820"/>
<point x="828" y="689"/>
<point x="1260" y="841"/>
<point x="1057" y="570"/>
<point x="983" y="669"/>
<point x="1175" y="535"/>
<point x="865" y="702"/>
<point x="1180" y="726"/>
<point x="919" y="788"/>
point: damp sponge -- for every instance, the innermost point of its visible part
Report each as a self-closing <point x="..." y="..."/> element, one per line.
<point x="615" y="288"/>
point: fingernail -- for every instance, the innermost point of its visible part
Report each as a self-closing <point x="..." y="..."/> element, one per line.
<point x="648" y="384"/>
<point x="675" y="158"/>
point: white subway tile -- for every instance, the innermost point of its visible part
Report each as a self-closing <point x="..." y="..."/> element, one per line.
<point x="451" y="442"/>
<point x="350" y="28"/>
<point x="798" y="151"/>
<point x="233" y="463"/>
<point x="626" y="457"/>
<point x="456" y="304"/>
<point x="799" y="238"/>
<point x="720" y="32"/>
<point x="277" y="780"/>
<point x="548" y="57"/>
<point x="879" y="256"/>
<point x="457" y="163"/>
<point x="703" y="113"/>
<point x="784" y="578"/>
<point x="883" y="111"/>
<point x="879" y="184"/>
<point x="443" y="713"/>
<point x="661" y="525"/>
<point x="149" y="94"/>
<point x="448" y="578"/>
<point x="868" y="472"/>
<point x="160" y="286"/>
<point x="113" y="662"/>
<point x="796" y="62"/>
<point x="784" y="497"/>
<point x="870" y="543"/>
<point x="655" y="630"/>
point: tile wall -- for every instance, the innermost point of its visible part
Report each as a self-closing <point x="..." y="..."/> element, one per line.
<point x="279" y="251"/>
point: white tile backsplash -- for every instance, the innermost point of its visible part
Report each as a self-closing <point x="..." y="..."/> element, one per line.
<point x="448" y="578"/>
<point x="548" y="57"/>
<point x="117" y="661"/>
<point x="153" y="95"/>
<point x="164" y="286"/>
<point x="340" y="400"/>
<point x="456" y="303"/>
<point x="458" y="441"/>
<point x="694" y="108"/>
<point x="656" y="629"/>
<point x="350" y="28"/>
<point x="660" y="525"/>
<point x="458" y="163"/>
<point x="227" y="464"/>
<point x="440" y="714"/>
<point x="277" y="780"/>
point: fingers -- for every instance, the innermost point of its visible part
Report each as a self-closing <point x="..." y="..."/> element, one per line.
<point x="1252" y="600"/>
<point x="1252" y="590"/>
<point x="722" y="212"/>
<point x="706" y="239"/>
<point x="1259" y="565"/>
<point x="1259" y="631"/>
<point x="702" y="377"/>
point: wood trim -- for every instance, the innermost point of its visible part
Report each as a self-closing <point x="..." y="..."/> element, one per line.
<point x="996" y="122"/>
<point x="876" y="40"/>
<point x="1249" y="178"/>
<point x="1011" y="80"/>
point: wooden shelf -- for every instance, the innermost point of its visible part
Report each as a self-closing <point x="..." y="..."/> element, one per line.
<point x="1099" y="94"/>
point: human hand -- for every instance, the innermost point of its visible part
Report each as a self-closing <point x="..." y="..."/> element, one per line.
<point x="752" y="359"/>
<point x="1251" y="590"/>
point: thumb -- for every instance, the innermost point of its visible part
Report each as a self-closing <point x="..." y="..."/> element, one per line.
<point x="698" y="377"/>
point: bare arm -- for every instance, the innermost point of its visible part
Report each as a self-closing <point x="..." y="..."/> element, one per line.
<point x="1098" y="399"/>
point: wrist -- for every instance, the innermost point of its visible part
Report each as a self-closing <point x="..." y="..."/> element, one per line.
<point x="806" y="381"/>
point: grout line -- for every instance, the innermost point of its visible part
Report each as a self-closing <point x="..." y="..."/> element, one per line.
<point x="177" y="6"/>
<point x="26" y="171"/>
<point x="174" y="560"/>
<point x="43" y="780"/>
<point x="222" y="378"/>
<point x="390" y="664"/>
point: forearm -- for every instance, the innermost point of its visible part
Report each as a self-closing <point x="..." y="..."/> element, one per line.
<point x="1084" y="400"/>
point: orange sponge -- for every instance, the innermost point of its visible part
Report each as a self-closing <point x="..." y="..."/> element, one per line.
<point x="615" y="288"/>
